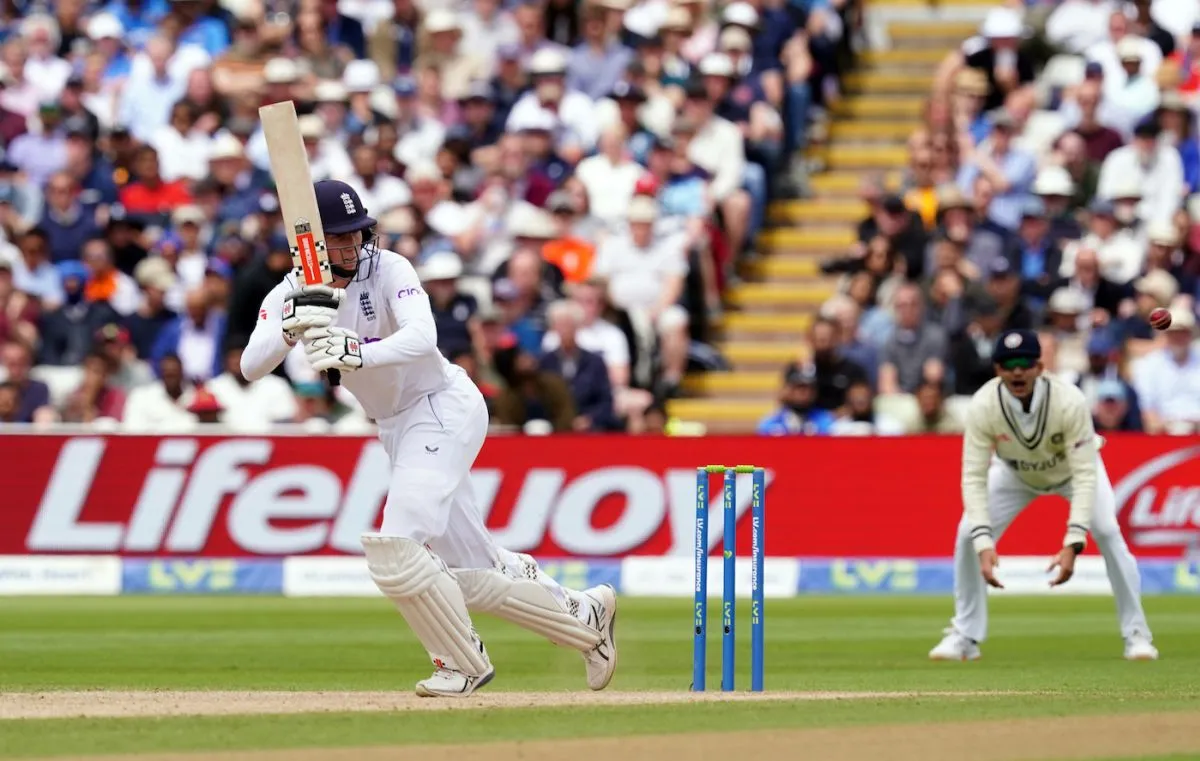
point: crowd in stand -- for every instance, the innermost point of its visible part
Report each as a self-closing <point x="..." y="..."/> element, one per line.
<point x="574" y="180"/>
<point x="1055" y="185"/>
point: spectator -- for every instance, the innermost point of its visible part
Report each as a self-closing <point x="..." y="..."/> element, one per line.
<point x="717" y="147"/>
<point x="1076" y="25"/>
<point x="1068" y="320"/>
<point x="32" y="271"/>
<point x="195" y="338"/>
<point x="798" y="413"/>
<point x="18" y="311"/>
<point x="971" y="349"/>
<point x="835" y="373"/>
<point x="1010" y="171"/>
<point x="67" y="330"/>
<point x="1138" y="94"/>
<point x="547" y="70"/>
<point x="380" y="193"/>
<point x="1040" y="256"/>
<point x="150" y="93"/>
<point x="524" y="288"/>
<point x="206" y="408"/>
<point x="251" y="285"/>
<point x="1103" y="295"/>
<point x="1057" y="191"/>
<point x="572" y="253"/>
<point x="66" y="221"/>
<point x="1156" y="169"/>
<point x="1111" y="411"/>
<point x="610" y="176"/>
<point x="859" y="418"/>
<point x="905" y="234"/>
<point x="96" y="397"/>
<point x="182" y="145"/>
<point x="1168" y="380"/>
<point x="645" y="277"/>
<point x="1107" y="53"/>
<point x="1099" y="138"/>
<point x="32" y="395"/>
<point x="534" y="400"/>
<point x="916" y="350"/>
<point x="1004" y="286"/>
<point x="1120" y="253"/>
<point x="584" y="371"/>
<point x="487" y="29"/>
<point x="844" y="311"/>
<point x="149" y="194"/>
<point x="996" y="53"/>
<point x="1153" y="290"/>
<point x="933" y="415"/>
<point x="454" y="312"/>
<point x="10" y="397"/>
<point x="598" y="62"/>
<point x="105" y="282"/>
<point x="251" y="406"/>
<point x="40" y="154"/>
<point x="162" y="406"/>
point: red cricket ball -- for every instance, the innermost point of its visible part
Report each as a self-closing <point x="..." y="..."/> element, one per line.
<point x="1160" y="319"/>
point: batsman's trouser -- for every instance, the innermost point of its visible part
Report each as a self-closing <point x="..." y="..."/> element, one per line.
<point x="1007" y="497"/>
<point x="432" y="446"/>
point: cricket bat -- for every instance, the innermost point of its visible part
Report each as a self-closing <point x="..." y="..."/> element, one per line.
<point x="297" y="201"/>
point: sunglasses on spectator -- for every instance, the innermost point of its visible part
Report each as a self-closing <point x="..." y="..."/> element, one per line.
<point x="1023" y="363"/>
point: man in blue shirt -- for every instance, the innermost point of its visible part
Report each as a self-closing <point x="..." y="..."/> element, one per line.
<point x="797" y="414"/>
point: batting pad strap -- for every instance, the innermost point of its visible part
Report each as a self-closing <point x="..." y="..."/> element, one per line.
<point x="428" y="597"/>
<point x="527" y="604"/>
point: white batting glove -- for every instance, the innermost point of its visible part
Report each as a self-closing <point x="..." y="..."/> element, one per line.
<point x="313" y="306"/>
<point x="333" y="349"/>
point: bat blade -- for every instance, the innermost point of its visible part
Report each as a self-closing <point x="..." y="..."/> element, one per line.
<point x="297" y="200"/>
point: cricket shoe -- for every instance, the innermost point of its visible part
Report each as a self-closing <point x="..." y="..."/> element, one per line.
<point x="955" y="647"/>
<point x="1138" y="648"/>
<point x="449" y="682"/>
<point x="601" y="660"/>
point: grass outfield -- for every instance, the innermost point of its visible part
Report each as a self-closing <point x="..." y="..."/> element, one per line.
<point x="1048" y="657"/>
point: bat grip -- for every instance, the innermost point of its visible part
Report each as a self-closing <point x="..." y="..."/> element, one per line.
<point x="334" y="377"/>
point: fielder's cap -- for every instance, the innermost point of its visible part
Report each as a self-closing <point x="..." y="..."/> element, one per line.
<point x="1111" y="389"/>
<point x="1102" y="343"/>
<point x="444" y="265"/>
<point x="341" y="209"/>
<point x="1017" y="344"/>
<point x="800" y="375"/>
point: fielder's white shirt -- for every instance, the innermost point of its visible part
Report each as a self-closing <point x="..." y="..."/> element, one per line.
<point x="1050" y="446"/>
<point x="391" y="315"/>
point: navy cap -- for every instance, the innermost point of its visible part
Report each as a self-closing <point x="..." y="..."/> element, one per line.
<point x="625" y="91"/>
<point x="1147" y="127"/>
<point x="341" y="209"/>
<point x="1000" y="267"/>
<point x="1102" y="344"/>
<point x="1033" y="207"/>
<point x="405" y="86"/>
<point x="1093" y="69"/>
<point x="800" y="375"/>
<point x="1101" y="207"/>
<point x="508" y="51"/>
<point x="1017" y="344"/>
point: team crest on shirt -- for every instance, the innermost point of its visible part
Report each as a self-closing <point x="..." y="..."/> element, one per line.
<point x="365" y="306"/>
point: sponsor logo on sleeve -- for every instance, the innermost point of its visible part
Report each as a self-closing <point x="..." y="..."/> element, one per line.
<point x="406" y="292"/>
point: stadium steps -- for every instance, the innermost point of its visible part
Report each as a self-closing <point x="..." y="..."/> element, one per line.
<point x="769" y="312"/>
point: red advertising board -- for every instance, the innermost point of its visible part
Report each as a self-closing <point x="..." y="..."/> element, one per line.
<point x="584" y="496"/>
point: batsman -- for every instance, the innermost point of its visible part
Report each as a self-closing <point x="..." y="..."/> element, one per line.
<point x="1029" y="434"/>
<point x="432" y="556"/>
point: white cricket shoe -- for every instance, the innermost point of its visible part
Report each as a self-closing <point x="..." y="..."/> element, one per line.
<point x="602" y="616"/>
<point x="1138" y="648"/>
<point x="955" y="647"/>
<point x="452" y="683"/>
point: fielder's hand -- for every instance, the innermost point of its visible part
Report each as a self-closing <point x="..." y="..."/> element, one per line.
<point x="313" y="306"/>
<point x="1065" y="562"/>
<point x="333" y="349"/>
<point x="989" y="561"/>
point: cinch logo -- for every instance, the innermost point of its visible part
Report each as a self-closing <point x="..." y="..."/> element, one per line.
<point x="409" y="292"/>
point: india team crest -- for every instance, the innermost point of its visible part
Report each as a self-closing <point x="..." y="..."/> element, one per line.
<point x="1013" y="340"/>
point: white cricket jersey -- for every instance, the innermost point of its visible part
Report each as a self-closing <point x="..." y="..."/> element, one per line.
<point x="1050" y="447"/>
<point x="391" y="315"/>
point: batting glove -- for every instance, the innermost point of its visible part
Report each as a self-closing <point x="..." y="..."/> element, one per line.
<point x="333" y="349"/>
<point x="313" y="306"/>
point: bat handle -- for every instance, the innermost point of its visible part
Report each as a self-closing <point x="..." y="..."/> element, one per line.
<point x="334" y="376"/>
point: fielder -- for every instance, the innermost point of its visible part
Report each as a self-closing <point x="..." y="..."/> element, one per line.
<point x="1028" y="435"/>
<point x="432" y="555"/>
